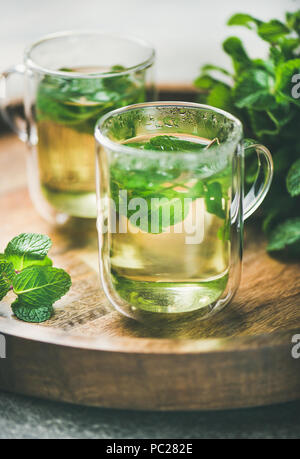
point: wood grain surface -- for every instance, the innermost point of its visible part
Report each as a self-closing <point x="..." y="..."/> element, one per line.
<point x="89" y="354"/>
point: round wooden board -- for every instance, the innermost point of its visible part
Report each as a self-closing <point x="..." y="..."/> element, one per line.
<point x="88" y="354"/>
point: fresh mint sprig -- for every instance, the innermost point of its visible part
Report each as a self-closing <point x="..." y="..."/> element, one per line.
<point x="260" y="93"/>
<point x="26" y="269"/>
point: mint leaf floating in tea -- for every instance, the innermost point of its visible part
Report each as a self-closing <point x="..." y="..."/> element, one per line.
<point x="28" y="249"/>
<point x="213" y="200"/>
<point x="170" y="143"/>
<point x="27" y="313"/>
<point x="26" y="269"/>
<point x="41" y="285"/>
<point x="7" y="274"/>
<point x="166" y="187"/>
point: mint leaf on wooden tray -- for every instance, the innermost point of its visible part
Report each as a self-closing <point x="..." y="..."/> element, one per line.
<point x="264" y="94"/>
<point x="41" y="285"/>
<point x="28" y="249"/>
<point x="29" y="314"/>
<point x="26" y="269"/>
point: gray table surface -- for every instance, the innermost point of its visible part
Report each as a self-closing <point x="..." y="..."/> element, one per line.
<point x="25" y="418"/>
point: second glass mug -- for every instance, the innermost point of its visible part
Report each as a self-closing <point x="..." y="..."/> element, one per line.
<point x="70" y="80"/>
<point x="189" y="265"/>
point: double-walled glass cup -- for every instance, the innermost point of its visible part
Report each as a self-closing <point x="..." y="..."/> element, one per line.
<point x="70" y="80"/>
<point x="171" y="207"/>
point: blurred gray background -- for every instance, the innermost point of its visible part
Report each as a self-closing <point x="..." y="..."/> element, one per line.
<point x="186" y="33"/>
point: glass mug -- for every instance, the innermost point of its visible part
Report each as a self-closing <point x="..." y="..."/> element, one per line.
<point x="171" y="208"/>
<point x="71" y="80"/>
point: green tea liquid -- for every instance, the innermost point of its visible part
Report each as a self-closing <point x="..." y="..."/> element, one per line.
<point x="162" y="272"/>
<point x="67" y="110"/>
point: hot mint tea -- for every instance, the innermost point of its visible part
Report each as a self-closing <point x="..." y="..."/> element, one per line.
<point x="67" y="109"/>
<point x="170" y="225"/>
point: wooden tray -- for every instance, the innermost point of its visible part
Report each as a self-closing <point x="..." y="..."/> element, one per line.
<point x="89" y="354"/>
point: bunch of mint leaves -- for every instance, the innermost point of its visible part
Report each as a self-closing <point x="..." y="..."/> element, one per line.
<point x="146" y="177"/>
<point x="80" y="102"/>
<point x="259" y="92"/>
<point x="26" y="269"/>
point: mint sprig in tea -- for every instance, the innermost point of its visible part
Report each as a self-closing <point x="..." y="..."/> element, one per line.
<point x="67" y="109"/>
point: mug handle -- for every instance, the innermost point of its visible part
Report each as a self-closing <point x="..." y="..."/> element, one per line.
<point x="5" y="102"/>
<point x="263" y="181"/>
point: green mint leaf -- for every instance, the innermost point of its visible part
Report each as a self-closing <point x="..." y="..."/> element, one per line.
<point x="285" y="234"/>
<point x="214" y="201"/>
<point x="224" y="232"/>
<point x="27" y="313"/>
<point x="7" y="274"/>
<point x="37" y="245"/>
<point x="276" y="56"/>
<point x="7" y="270"/>
<point x="233" y="46"/>
<point x="41" y="285"/>
<point x="288" y="47"/>
<point x="197" y="191"/>
<point x="31" y="262"/>
<point x="272" y="31"/>
<point x="221" y="97"/>
<point x="4" y="288"/>
<point x="254" y="89"/>
<point x="169" y="143"/>
<point x="27" y="249"/>
<point x="293" y="21"/>
<point x="244" y="20"/>
<point x="293" y="179"/>
<point x="214" y="68"/>
<point x="205" y="82"/>
<point x="262" y="123"/>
